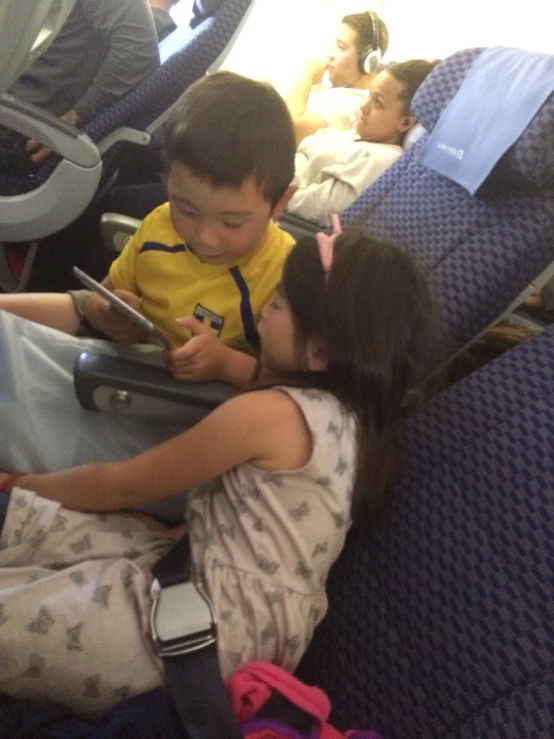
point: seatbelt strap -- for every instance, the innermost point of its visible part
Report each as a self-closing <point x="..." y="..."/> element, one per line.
<point x="183" y="629"/>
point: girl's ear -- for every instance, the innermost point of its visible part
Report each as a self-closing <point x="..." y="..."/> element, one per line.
<point x="407" y="122"/>
<point x="317" y="355"/>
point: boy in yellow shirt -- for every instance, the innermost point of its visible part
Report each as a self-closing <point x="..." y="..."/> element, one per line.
<point x="204" y="264"/>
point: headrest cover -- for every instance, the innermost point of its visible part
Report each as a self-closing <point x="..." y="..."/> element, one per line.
<point x="413" y="135"/>
<point x="530" y="161"/>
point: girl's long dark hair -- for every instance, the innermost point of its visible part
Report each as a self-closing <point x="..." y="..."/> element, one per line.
<point x="376" y="314"/>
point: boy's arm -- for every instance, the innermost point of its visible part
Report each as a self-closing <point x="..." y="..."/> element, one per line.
<point x="60" y="311"/>
<point x="56" y="310"/>
<point x="122" y="281"/>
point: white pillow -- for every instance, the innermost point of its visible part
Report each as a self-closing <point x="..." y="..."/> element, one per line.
<point x="413" y="135"/>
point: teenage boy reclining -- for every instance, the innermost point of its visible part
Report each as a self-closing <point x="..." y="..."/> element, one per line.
<point x="333" y="167"/>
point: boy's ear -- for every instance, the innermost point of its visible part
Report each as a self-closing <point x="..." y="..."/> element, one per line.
<point x="283" y="201"/>
<point x="317" y="354"/>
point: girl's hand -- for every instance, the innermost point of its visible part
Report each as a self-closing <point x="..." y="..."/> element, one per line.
<point x="174" y="532"/>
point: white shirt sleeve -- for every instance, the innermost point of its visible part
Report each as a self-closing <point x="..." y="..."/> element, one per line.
<point x="333" y="188"/>
<point x="319" y="201"/>
<point x="338" y="106"/>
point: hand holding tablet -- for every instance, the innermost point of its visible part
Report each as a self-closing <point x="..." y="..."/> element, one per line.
<point x="125" y="310"/>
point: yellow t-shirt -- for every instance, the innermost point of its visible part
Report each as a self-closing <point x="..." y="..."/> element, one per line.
<point x="172" y="283"/>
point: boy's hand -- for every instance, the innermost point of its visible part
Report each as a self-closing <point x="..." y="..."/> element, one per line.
<point x="103" y="317"/>
<point x="202" y="358"/>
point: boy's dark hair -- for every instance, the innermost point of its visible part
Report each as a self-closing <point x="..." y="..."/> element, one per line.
<point x="362" y="25"/>
<point x="227" y="127"/>
<point x="381" y="328"/>
<point x="410" y="74"/>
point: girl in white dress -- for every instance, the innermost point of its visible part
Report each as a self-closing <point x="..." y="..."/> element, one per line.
<point x="277" y="476"/>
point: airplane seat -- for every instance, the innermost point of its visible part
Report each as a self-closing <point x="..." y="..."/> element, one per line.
<point x="439" y="624"/>
<point x="484" y="249"/>
<point x="35" y="206"/>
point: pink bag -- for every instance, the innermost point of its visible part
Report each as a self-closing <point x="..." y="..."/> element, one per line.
<point x="250" y="687"/>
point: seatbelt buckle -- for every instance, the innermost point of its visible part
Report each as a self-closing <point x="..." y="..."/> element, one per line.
<point x="181" y="619"/>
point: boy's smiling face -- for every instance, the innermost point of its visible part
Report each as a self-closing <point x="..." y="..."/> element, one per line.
<point x="219" y="224"/>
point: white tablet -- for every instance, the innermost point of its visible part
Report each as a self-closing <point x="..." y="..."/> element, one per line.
<point x="119" y="305"/>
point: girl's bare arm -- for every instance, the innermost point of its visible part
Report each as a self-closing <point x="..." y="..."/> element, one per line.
<point x="265" y="428"/>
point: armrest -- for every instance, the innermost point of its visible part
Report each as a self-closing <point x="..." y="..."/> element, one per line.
<point x="63" y="138"/>
<point x="116" y="230"/>
<point x="122" y="386"/>
<point x="69" y="189"/>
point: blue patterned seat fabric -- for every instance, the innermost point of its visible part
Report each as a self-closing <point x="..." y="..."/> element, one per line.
<point x="440" y="620"/>
<point x="147" y="101"/>
<point x="482" y="250"/>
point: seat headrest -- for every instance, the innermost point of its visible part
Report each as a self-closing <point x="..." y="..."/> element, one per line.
<point x="207" y="7"/>
<point x="530" y="161"/>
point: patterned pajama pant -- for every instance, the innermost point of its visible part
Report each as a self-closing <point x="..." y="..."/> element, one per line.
<point x="75" y="605"/>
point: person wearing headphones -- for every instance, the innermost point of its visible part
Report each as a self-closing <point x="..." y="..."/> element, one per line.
<point x="352" y="63"/>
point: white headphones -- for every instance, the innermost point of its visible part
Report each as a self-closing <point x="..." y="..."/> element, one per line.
<point x="370" y="56"/>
